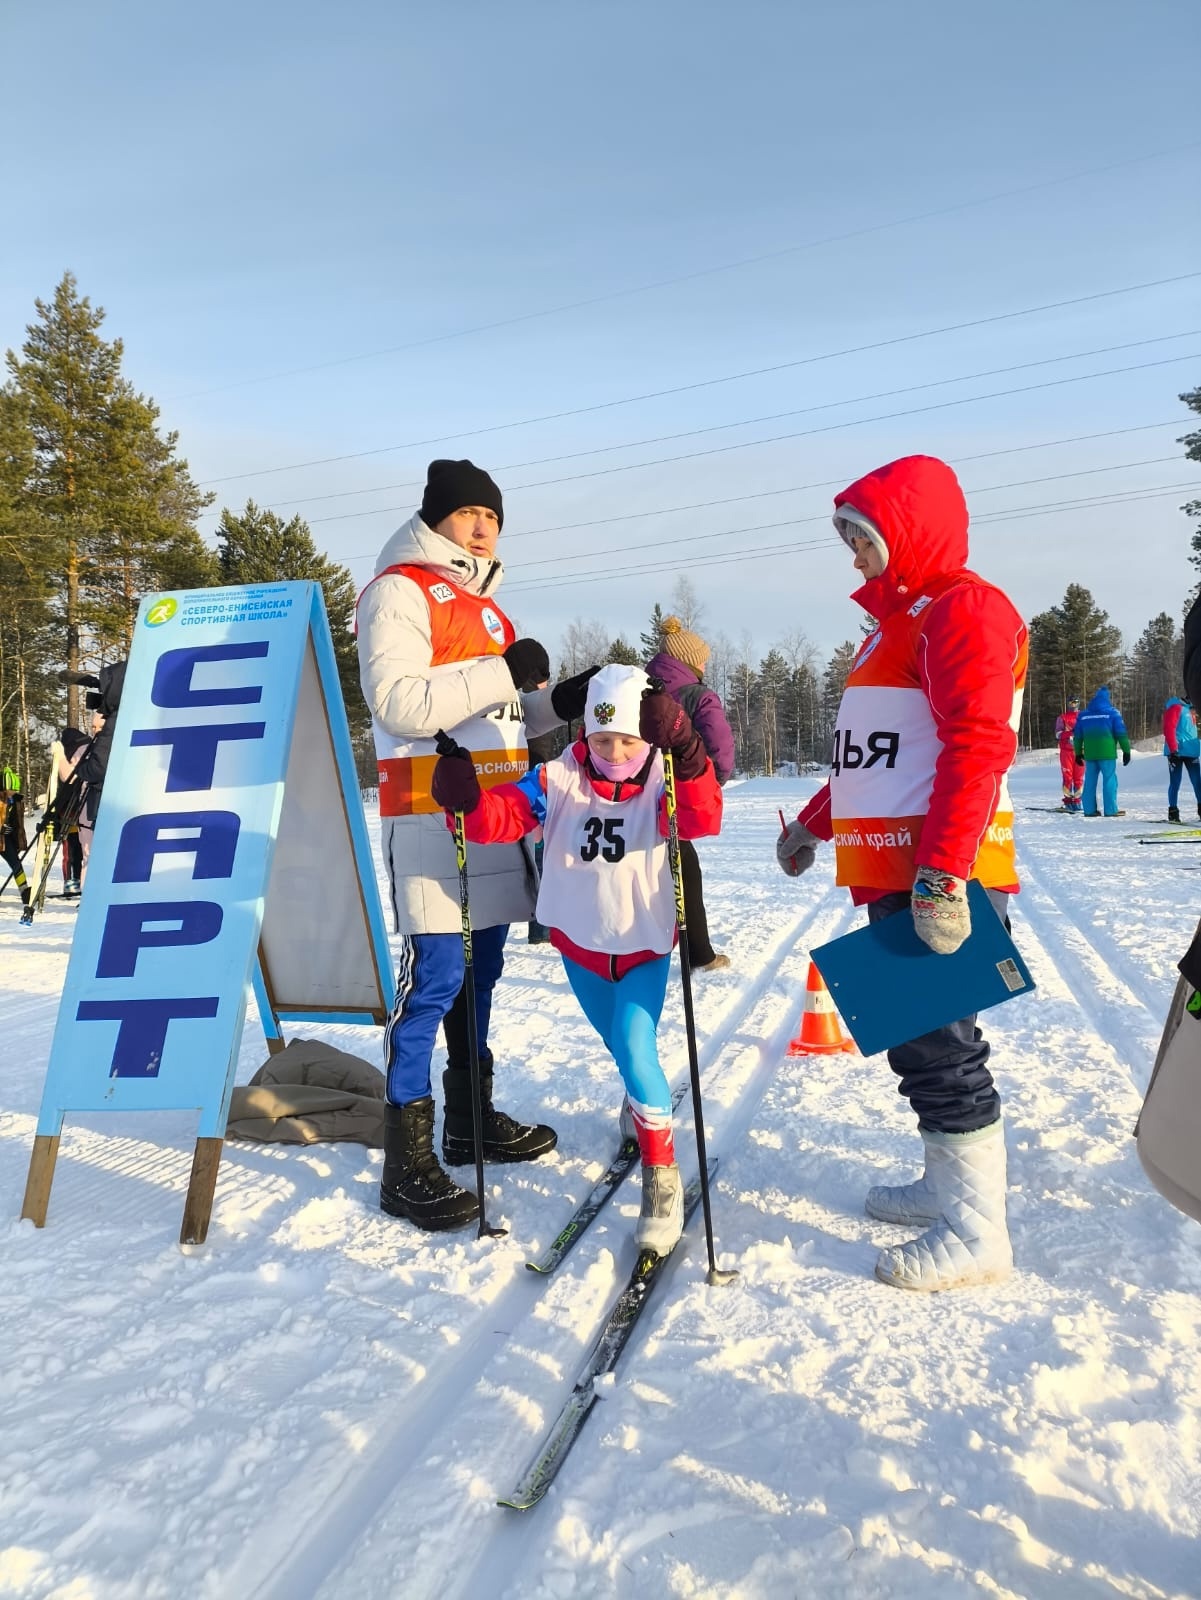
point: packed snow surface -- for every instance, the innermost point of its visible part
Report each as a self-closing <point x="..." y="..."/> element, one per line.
<point x="323" y="1402"/>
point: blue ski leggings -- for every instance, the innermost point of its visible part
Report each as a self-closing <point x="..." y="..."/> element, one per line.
<point x="626" y="1015"/>
<point x="1107" y="771"/>
<point x="427" y="984"/>
<point x="1190" y="765"/>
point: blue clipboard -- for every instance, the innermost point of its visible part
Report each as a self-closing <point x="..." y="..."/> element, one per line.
<point x="889" y="987"/>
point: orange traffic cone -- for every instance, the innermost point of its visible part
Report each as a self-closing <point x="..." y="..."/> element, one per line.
<point x="821" y="1032"/>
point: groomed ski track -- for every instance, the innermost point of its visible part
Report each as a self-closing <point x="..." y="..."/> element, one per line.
<point x="523" y="1353"/>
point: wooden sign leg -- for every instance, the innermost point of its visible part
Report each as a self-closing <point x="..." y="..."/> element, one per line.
<point x="41" y="1176"/>
<point x="202" y="1185"/>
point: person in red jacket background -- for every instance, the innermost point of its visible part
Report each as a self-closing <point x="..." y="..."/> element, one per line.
<point x="916" y="804"/>
<point x="1070" y="764"/>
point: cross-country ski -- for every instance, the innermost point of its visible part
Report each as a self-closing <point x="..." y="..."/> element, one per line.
<point x="611" y="1341"/>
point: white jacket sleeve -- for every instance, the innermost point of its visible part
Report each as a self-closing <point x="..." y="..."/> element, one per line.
<point x="403" y="692"/>
<point x="540" y="715"/>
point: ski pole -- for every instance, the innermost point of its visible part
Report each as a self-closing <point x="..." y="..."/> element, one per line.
<point x="473" y="1038"/>
<point x="67" y="820"/>
<point x="715" y="1276"/>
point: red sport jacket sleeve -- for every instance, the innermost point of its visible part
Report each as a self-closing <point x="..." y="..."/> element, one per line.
<point x="698" y="806"/>
<point x="971" y="657"/>
<point x="1171" y="722"/>
<point x="816" y="815"/>
<point x="504" y="813"/>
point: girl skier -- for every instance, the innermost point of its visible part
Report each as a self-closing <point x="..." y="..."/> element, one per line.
<point x="606" y="892"/>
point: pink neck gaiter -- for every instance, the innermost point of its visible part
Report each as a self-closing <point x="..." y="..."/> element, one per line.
<point x="620" y="771"/>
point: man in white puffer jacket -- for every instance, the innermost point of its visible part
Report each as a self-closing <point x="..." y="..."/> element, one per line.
<point x="436" y="653"/>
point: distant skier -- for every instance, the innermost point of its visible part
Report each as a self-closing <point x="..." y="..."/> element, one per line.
<point x="917" y="803"/>
<point x="1182" y="746"/>
<point x="13" y="841"/>
<point x="1070" y="764"/>
<point x="1099" y="734"/>
<point x="606" y="892"/>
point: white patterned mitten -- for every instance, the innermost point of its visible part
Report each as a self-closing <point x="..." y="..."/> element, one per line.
<point x="940" y="910"/>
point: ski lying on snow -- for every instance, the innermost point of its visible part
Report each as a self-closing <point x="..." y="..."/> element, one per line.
<point x="610" y="1342"/>
<point x="593" y="1202"/>
<point x="1168" y="838"/>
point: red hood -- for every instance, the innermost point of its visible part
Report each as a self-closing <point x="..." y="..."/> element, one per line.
<point x="919" y="508"/>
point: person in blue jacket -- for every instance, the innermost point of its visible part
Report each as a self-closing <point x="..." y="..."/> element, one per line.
<point x="1098" y="736"/>
<point x="1182" y="746"/>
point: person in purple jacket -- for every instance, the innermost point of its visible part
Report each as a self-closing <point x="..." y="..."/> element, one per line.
<point x="679" y="667"/>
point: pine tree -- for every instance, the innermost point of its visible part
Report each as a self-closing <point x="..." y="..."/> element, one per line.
<point x="105" y="490"/>
<point x="834" y="681"/>
<point x="773" y="697"/>
<point x="1074" y="649"/>
<point x="31" y="691"/>
<point x="652" y="640"/>
<point x="621" y="652"/>
<point x="1154" y="675"/>
<point x="257" y="546"/>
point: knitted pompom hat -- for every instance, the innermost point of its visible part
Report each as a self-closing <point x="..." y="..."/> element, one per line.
<point x="687" y="647"/>
<point x="615" y="700"/>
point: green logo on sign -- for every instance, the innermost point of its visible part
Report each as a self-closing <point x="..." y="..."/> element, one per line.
<point x="161" y="611"/>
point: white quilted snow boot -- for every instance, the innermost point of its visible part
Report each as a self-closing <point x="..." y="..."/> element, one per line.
<point x="970" y="1242"/>
<point x="661" y="1221"/>
<point x="906" y="1203"/>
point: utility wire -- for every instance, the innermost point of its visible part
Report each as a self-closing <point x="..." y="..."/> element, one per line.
<point x="647" y="569"/>
<point x="695" y="538"/>
<point x="693" y="276"/>
<point x="796" y="488"/>
<point x="856" y="422"/>
<point x="833" y="427"/>
<point x="767" y="494"/>
<point x="749" y="444"/>
<point x="704" y="383"/>
<point x="852" y="400"/>
<point x="800" y="411"/>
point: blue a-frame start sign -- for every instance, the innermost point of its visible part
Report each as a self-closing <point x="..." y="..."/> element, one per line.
<point x="230" y="853"/>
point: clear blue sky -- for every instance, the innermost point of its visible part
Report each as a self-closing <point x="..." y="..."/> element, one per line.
<point x="252" y="190"/>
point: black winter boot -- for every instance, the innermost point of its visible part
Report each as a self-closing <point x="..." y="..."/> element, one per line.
<point x="504" y="1138"/>
<point x="1173" y="813"/>
<point x="413" y="1185"/>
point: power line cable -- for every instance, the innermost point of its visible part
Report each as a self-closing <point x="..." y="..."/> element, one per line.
<point x="804" y="411"/>
<point x="705" y="383"/>
<point x="796" y="488"/>
<point x="693" y="276"/>
<point x="834" y="483"/>
<point x="350" y="516"/>
<point x="855" y="422"/>
<point x="767" y="494"/>
<point x="647" y="569"/>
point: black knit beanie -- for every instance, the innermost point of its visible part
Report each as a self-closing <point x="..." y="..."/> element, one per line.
<point x="452" y="484"/>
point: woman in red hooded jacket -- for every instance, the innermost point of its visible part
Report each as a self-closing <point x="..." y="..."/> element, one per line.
<point x="916" y="804"/>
